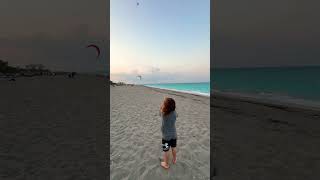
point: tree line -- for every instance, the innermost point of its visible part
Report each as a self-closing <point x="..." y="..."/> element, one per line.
<point x="34" y="69"/>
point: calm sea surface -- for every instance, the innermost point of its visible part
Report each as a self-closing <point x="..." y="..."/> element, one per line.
<point x="194" y="88"/>
<point x="285" y="83"/>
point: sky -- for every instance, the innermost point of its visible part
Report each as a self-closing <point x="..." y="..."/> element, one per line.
<point x="162" y="40"/>
<point x="54" y="33"/>
<point x="251" y="33"/>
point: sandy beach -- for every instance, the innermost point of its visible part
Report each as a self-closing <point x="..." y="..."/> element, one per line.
<point x="135" y="135"/>
<point x="261" y="140"/>
<point x="53" y="128"/>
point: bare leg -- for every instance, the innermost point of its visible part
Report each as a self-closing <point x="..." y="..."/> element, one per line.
<point x="174" y="155"/>
<point x="164" y="163"/>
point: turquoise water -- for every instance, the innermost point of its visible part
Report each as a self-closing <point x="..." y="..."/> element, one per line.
<point x="194" y="88"/>
<point x="289" y="82"/>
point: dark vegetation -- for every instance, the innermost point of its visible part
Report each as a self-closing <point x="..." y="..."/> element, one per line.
<point x="119" y="84"/>
<point x="28" y="70"/>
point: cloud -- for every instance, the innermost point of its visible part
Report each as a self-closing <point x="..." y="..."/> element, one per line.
<point x="159" y="77"/>
<point x="141" y="70"/>
<point x="155" y="69"/>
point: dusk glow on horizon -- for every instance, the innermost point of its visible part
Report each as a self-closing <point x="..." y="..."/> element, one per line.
<point x="163" y="41"/>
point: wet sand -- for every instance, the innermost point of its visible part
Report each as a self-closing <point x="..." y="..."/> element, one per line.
<point x="135" y="135"/>
<point x="255" y="139"/>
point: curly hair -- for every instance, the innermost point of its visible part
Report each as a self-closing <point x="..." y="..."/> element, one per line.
<point x="168" y="106"/>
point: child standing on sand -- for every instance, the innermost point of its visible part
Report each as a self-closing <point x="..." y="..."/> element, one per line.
<point x="168" y="129"/>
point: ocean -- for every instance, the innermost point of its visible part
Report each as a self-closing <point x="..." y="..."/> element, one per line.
<point x="294" y="84"/>
<point x="299" y="85"/>
<point x="202" y="88"/>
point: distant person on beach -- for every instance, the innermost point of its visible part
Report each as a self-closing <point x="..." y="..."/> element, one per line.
<point x="71" y="75"/>
<point x="168" y="129"/>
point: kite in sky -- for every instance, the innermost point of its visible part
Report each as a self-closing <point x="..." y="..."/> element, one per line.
<point x="96" y="47"/>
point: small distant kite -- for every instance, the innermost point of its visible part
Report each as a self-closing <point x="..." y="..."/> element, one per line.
<point x="139" y="76"/>
<point x="96" y="47"/>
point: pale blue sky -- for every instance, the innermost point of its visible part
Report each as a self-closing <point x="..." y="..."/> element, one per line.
<point x="163" y="40"/>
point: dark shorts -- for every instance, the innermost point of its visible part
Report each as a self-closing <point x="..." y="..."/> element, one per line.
<point x="167" y="144"/>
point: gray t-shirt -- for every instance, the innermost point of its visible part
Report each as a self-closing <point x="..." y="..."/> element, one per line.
<point x="168" y="127"/>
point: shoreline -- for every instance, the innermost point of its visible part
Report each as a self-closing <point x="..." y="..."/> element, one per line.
<point x="295" y="104"/>
<point x="251" y="98"/>
<point x="179" y="91"/>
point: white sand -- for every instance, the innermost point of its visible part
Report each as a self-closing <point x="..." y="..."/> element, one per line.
<point x="135" y="134"/>
<point x="50" y="128"/>
<point x="54" y="128"/>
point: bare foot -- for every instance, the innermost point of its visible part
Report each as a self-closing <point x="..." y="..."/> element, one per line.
<point x="164" y="165"/>
<point x="174" y="160"/>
